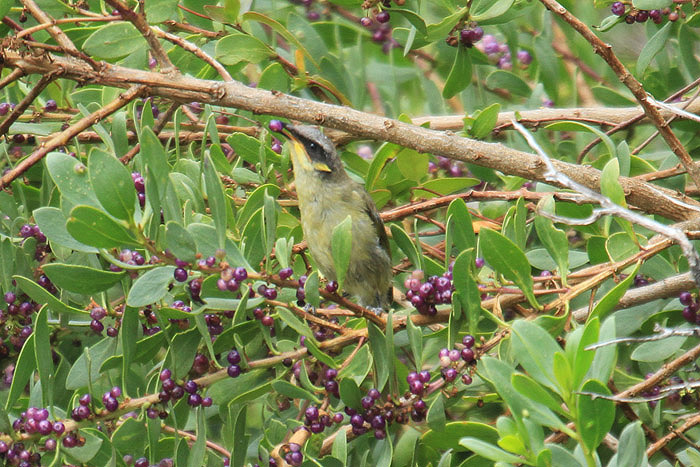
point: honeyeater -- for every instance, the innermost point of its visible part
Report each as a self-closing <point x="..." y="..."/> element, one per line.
<point x="327" y="195"/>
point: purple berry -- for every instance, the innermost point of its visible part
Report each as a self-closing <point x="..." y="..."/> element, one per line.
<point x="234" y="371"/>
<point x="524" y="57"/>
<point x="618" y="9"/>
<point x="276" y="125"/>
<point x="286" y="273"/>
<point x="424" y="376"/>
<point x="50" y="105"/>
<point x="686" y="298"/>
<point x="180" y="274"/>
<point x="234" y="357"/>
<point x="383" y="17"/>
<point x="312" y="413"/>
<point x="4" y="108"/>
<point x="364" y="21"/>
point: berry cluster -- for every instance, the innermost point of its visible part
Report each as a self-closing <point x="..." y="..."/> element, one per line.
<point x="690" y="312"/>
<point x="18" y="454"/>
<point x="452" y="168"/>
<point x="98" y="314"/>
<point x="294" y="456"/>
<point x="634" y="15"/>
<point x="42" y="248"/>
<point x="140" y="186"/>
<point x="380" y="28"/>
<point x="231" y="279"/>
<point x="450" y="358"/>
<point x="147" y="101"/>
<point x="16" y="321"/>
<point x="170" y="390"/>
<point x="499" y="53"/>
<point x="234" y="359"/>
<point x="426" y="295"/>
<point x="375" y="415"/>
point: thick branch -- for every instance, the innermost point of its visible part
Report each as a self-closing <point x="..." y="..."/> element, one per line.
<point x="647" y="197"/>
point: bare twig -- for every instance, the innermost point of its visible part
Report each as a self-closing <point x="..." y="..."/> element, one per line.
<point x="690" y="423"/>
<point x="14" y="75"/>
<point x="190" y="47"/>
<point x="610" y="208"/>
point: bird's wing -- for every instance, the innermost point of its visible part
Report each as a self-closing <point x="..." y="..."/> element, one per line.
<point x="371" y="210"/>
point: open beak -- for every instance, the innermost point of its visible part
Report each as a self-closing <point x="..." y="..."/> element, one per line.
<point x="299" y="153"/>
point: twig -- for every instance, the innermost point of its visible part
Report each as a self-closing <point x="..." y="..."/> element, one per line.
<point x="608" y="208"/>
<point x="669" y="287"/>
<point x="139" y="22"/>
<point x="690" y="423"/>
<point x="210" y="444"/>
<point x="190" y="47"/>
<point x="14" y="75"/>
<point x="605" y="51"/>
<point x="160" y="123"/>
<point x="664" y="372"/>
<point x="63" y="137"/>
<point x="54" y="22"/>
<point x="26" y="101"/>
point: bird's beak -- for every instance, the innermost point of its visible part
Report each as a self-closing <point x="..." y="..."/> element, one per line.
<point x="299" y="154"/>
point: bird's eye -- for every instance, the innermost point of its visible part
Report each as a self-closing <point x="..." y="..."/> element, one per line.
<point x="312" y="146"/>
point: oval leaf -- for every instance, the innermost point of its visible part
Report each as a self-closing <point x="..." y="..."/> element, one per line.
<point x="81" y="279"/>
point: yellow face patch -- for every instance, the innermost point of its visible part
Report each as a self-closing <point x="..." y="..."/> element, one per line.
<point x="301" y="158"/>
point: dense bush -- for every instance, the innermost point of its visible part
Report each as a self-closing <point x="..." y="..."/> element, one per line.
<point x="161" y="308"/>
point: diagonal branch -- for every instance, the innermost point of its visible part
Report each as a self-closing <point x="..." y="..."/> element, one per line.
<point x="605" y="51"/>
<point x="139" y="22"/>
<point x="26" y="101"/>
<point x="63" y="137"/>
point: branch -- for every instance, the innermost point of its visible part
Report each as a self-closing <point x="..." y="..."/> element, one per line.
<point x="234" y="94"/>
<point x="605" y="51"/>
<point x="675" y="433"/>
<point x="139" y="22"/>
<point x="26" y="101"/>
<point x="608" y="208"/>
<point x="63" y="137"/>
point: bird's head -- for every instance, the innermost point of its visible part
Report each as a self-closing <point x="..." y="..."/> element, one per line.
<point x="311" y="151"/>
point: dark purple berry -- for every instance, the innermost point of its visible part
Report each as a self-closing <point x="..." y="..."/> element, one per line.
<point x="383" y="17"/>
<point x="180" y="275"/>
<point x="286" y="273"/>
<point x="618" y="9"/>
<point x="50" y="105"/>
<point x="191" y="387"/>
<point x="311" y="413"/>
<point x="234" y="371"/>
<point x="4" y="108"/>
<point x="234" y="357"/>
<point x="686" y="298"/>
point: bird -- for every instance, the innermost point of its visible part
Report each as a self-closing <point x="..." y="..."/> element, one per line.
<point x="326" y="196"/>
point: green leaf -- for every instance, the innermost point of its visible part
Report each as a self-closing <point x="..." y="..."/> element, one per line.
<point x="563" y="374"/>
<point x="239" y="47"/>
<point x="71" y="178"/>
<point x="404" y="242"/>
<point x="530" y="388"/>
<point x="281" y="30"/>
<point x="311" y="290"/>
<point x="42" y="353"/>
<point x="341" y="245"/>
<point x="578" y="126"/>
<point x="653" y="46"/>
<point x="293" y="322"/>
<point x="52" y="223"/>
<point x="87" y="452"/>
<point x="81" y="279"/>
<point x="415" y="340"/>
<point x="25" y="366"/>
<point x="412" y="164"/>
<point x="339" y="450"/>
<point x="612" y="298"/>
<point x="595" y="416"/>
<point x="198" y="449"/>
<point x="114" y="40"/>
<point x="436" y="414"/>
<point x="553" y="239"/>
<point x="128" y="334"/>
<point x="93" y="227"/>
<point x="41" y="295"/>
<point x="489" y="451"/>
<point x="384" y="153"/>
<point x="466" y="290"/>
<point x="485" y="121"/>
<point x="223" y="14"/>
<point x="632" y="446"/>
<point x="651" y="5"/>
<point x="415" y="20"/>
<point x="584" y="358"/>
<point x="350" y="393"/>
<point x="460" y="75"/>
<point x="507" y="259"/>
<point x="459" y="226"/>
<point x="535" y="348"/>
<point x="216" y="199"/>
<point x="435" y="187"/>
<point x="293" y="391"/>
<point x="180" y="241"/>
<point x="150" y="287"/>
<point x="501" y="79"/>
<point x="488" y="9"/>
<point x="377" y="342"/>
<point x="112" y="184"/>
<point x="454" y="431"/>
<point x="129" y="436"/>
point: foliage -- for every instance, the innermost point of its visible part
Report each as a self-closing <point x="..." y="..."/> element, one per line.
<point x="159" y="304"/>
